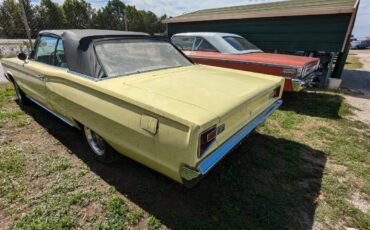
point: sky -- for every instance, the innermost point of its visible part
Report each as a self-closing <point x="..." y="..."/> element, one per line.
<point x="362" y="24"/>
<point x="178" y="7"/>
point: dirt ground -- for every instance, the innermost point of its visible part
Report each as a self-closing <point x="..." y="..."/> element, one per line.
<point x="359" y="80"/>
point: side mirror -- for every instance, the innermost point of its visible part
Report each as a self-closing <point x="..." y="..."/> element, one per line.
<point x="22" y="56"/>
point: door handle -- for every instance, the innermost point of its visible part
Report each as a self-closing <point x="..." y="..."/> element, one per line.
<point x="41" y="76"/>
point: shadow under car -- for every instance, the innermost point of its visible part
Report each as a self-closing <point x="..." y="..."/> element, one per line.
<point x="265" y="183"/>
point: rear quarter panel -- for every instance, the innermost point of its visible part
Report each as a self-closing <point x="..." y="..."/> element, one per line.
<point x="236" y="119"/>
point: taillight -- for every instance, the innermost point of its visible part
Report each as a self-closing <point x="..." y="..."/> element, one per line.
<point x="206" y="139"/>
<point x="276" y="92"/>
<point x="290" y="72"/>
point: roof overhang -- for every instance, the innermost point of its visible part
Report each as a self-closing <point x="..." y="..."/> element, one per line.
<point x="270" y="15"/>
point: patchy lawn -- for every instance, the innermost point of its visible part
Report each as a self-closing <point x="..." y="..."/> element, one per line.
<point x="307" y="166"/>
<point x="353" y="62"/>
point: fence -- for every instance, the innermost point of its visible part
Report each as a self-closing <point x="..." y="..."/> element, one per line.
<point x="23" y="19"/>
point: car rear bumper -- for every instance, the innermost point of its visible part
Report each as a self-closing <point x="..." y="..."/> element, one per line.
<point x="299" y="84"/>
<point x="191" y="176"/>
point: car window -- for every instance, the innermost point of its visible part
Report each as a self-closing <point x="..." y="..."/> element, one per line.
<point x="240" y="43"/>
<point x="203" y="45"/>
<point x="45" y="50"/>
<point x="59" y="57"/>
<point x="183" y="42"/>
<point x="33" y="51"/>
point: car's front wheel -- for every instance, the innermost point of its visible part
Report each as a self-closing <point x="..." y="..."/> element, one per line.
<point x="100" y="149"/>
<point x="21" y="96"/>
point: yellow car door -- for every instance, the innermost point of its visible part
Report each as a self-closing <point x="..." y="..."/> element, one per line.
<point x="34" y="69"/>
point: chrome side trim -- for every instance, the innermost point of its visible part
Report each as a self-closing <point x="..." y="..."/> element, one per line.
<point x="199" y="153"/>
<point x="42" y="63"/>
<point x="82" y="75"/>
<point x="58" y="116"/>
<point x="246" y="62"/>
<point x="216" y="156"/>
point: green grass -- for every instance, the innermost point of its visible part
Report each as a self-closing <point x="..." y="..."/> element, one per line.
<point x="302" y="166"/>
<point x="353" y="62"/>
<point x="40" y="188"/>
<point x="153" y="223"/>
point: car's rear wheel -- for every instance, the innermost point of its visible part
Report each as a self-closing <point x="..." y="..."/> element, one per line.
<point x="100" y="149"/>
<point x="21" y="96"/>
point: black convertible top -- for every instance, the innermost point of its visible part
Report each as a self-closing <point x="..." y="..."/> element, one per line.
<point x="79" y="51"/>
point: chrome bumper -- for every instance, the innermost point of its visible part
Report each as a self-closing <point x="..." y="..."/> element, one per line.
<point x="299" y="84"/>
<point x="192" y="176"/>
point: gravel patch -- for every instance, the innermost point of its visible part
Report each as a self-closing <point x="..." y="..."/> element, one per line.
<point x="2" y="76"/>
<point x="359" y="80"/>
<point x="363" y="108"/>
<point x="358" y="202"/>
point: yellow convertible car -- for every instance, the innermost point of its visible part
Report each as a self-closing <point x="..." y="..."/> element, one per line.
<point x="140" y="96"/>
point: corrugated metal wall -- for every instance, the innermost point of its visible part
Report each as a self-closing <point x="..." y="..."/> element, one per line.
<point x="295" y="33"/>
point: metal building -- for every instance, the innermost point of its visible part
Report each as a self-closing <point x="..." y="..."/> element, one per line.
<point x="322" y="27"/>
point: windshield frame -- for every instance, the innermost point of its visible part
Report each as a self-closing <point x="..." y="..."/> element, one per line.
<point x="95" y="41"/>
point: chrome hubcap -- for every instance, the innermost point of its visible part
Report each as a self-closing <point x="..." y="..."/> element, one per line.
<point x="96" y="143"/>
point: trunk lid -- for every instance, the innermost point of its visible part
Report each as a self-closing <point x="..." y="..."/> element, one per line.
<point x="214" y="89"/>
<point x="282" y="59"/>
<point x="270" y="58"/>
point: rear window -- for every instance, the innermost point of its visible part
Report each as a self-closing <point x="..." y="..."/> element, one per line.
<point x="240" y="43"/>
<point x="183" y="43"/>
<point x="129" y="56"/>
<point x="202" y="44"/>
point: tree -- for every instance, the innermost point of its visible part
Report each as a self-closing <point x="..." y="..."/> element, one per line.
<point x="134" y="19"/>
<point x="153" y="24"/>
<point x="111" y="16"/>
<point x="150" y="21"/>
<point x="161" y="27"/>
<point x="11" y="20"/>
<point x="78" y="14"/>
<point x="75" y="14"/>
<point x="50" y="15"/>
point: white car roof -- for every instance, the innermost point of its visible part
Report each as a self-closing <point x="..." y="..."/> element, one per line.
<point x="216" y="39"/>
<point x="206" y="34"/>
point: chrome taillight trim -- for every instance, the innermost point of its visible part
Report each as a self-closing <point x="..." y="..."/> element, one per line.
<point x="207" y="130"/>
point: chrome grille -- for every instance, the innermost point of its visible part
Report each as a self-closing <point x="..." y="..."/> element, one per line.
<point x="310" y="67"/>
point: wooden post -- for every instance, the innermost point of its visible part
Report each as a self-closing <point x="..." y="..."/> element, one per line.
<point x="342" y="57"/>
<point x="341" y="61"/>
<point x="25" y="22"/>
